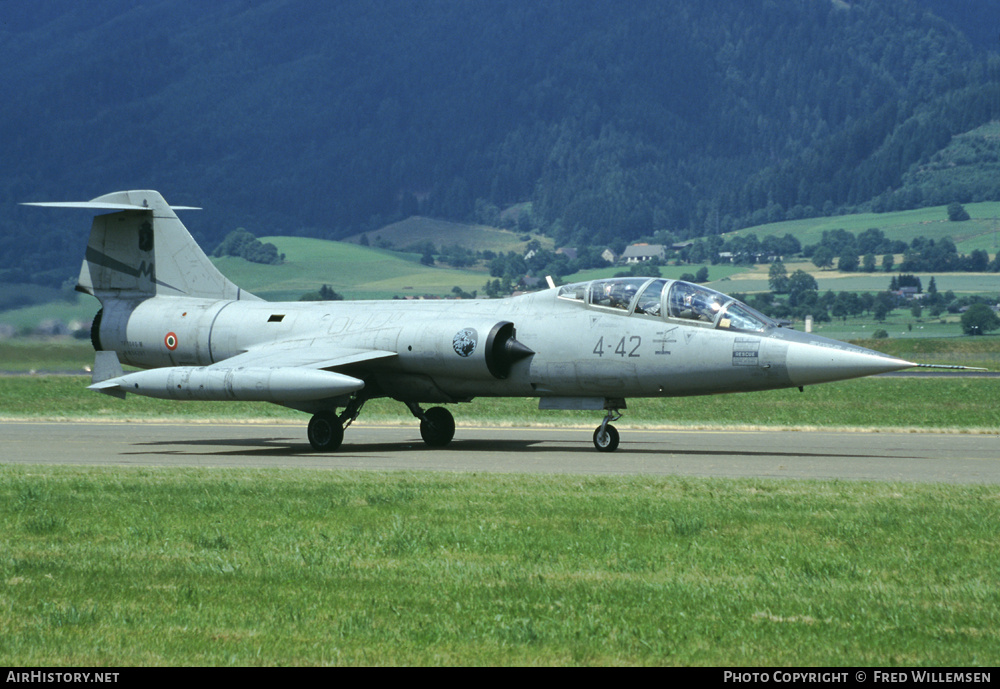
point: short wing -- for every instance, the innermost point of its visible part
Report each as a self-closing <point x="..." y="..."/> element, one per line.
<point x="301" y="353"/>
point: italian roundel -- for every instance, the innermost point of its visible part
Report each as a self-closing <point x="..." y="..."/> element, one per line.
<point x="170" y="341"/>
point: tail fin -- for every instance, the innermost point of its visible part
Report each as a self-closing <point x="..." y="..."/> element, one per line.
<point x="142" y="249"/>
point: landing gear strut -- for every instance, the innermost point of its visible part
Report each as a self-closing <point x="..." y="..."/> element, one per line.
<point x="437" y="425"/>
<point x="326" y="429"/>
<point x="606" y="436"/>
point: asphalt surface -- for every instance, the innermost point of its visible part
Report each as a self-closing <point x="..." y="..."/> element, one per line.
<point x="918" y="457"/>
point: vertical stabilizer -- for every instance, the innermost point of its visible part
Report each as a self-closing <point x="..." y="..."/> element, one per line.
<point x="142" y="249"/>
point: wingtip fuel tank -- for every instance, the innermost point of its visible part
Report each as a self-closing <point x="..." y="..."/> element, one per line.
<point x="281" y="385"/>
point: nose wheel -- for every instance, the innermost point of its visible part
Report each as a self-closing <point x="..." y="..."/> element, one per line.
<point x="606" y="436"/>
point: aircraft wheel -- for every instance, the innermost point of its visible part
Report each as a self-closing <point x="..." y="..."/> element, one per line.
<point x="95" y="330"/>
<point x="325" y="432"/>
<point x="437" y="428"/>
<point x="608" y="441"/>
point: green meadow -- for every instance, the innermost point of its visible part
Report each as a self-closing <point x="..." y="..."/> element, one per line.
<point x="29" y="317"/>
<point x="138" y="566"/>
<point x="715" y="273"/>
<point x="755" y="279"/>
<point x="354" y="271"/>
<point x="54" y="354"/>
<point x="981" y="231"/>
<point x="443" y="233"/>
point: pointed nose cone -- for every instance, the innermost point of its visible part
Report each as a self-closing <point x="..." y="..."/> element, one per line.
<point x="822" y="362"/>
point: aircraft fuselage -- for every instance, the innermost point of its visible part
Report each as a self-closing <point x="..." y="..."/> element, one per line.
<point x="577" y="350"/>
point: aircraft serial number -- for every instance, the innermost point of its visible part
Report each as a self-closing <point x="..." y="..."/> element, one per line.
<point x="628" y="346"/>
<point x="621" y="349"/>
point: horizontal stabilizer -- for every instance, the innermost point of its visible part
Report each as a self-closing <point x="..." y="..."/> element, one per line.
<point x="111" y="387"/>
<point x="104" y="206"/>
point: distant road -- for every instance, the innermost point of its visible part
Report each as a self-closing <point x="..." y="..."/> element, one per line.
<point x="923" y="457"/>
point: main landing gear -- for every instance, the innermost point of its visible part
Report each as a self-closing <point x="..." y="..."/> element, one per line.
<point x="325" y="432"/>
<point x="606" y="436"/>
<point x="437" y="425"/>
<point x="326" y="429"/>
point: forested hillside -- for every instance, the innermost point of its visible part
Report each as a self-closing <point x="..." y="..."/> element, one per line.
<point x="614" y="120"/>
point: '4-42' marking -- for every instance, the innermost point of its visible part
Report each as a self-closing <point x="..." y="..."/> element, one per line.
<point x="621" y="349"/>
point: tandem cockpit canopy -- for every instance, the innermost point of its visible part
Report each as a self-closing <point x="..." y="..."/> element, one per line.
<point x="667" y="299"/>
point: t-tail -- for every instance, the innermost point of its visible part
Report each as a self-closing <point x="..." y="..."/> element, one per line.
<point x="141" y="249"/>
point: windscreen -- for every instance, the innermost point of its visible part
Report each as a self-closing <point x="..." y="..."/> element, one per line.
<point x="697" y="303"/>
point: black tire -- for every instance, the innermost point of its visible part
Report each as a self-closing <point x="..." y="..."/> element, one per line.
<point x="325" y="432"/>
<point x="608" y="442"/>
<point x="437" y="428"/>
<point x="95" y="331"/>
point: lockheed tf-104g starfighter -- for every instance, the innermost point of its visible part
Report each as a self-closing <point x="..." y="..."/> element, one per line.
<point x="589" y="345"/>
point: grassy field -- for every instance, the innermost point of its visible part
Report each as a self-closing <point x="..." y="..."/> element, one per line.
<point x="715" y="273"/>
<point x="442" y="233"/>
<point x="137" y="566"/>
<point x="900" y="325"/>
<point x="982" y="231"/>
<point x="755" y="279"/>
<point x="354" y="271"/>
<point x="29" y="317"/>
<point x="50" y="354"/>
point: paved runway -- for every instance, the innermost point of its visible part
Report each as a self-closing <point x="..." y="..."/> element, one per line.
<point x="923" y="457"/>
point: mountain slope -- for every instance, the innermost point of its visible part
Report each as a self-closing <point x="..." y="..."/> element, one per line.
<point x="329" y="119"/>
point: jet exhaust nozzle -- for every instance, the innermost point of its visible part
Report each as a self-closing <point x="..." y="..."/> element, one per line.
<point x="503" y="350"/>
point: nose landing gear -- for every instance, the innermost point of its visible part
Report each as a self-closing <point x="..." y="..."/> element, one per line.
<point x="606" y="436"/>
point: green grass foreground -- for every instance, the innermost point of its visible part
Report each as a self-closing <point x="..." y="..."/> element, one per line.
<point x="955" y="404"/>
<point x="139" y="566"/>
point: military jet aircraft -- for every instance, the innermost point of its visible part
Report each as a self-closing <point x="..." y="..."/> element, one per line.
<point x="589" y="345"/>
